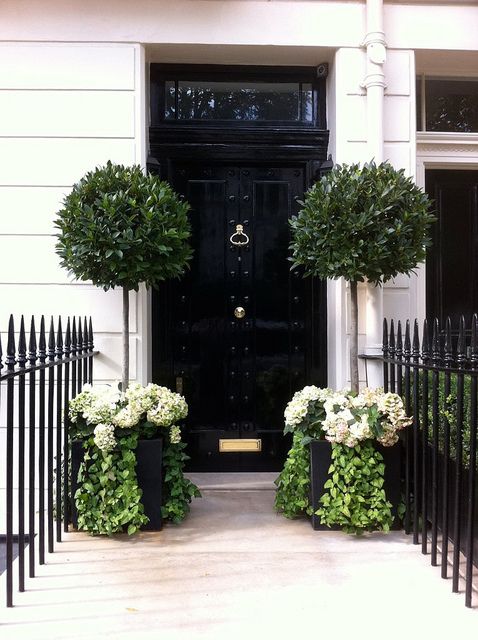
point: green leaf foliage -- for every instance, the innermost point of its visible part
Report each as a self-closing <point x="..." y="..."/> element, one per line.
<point x="108" y="499"/>
<point x="293" y="483"/>
<point x="119" y="227"/>
<point x="178" y="491"/>
<point x="361" y="223"/>
<point x="354" y="497"/>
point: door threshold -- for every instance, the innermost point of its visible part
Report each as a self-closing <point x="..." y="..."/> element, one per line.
<point x="230" y="481"/>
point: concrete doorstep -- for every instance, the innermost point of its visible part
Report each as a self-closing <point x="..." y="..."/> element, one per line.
<point x="236" y="569"/>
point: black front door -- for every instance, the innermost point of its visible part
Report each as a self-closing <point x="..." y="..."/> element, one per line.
<point x="238" y="334"/>
<point x="452" y="261"/>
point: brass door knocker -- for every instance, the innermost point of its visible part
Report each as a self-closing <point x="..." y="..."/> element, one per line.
<point x="239" y="238"/>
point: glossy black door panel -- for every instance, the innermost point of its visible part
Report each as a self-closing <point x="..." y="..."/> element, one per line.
<point x="236" y="334"/>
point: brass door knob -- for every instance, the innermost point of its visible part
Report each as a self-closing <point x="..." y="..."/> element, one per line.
<point x="239" y="312"/>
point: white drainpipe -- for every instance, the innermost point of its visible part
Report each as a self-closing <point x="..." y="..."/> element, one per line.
<point x="374" y="83"/>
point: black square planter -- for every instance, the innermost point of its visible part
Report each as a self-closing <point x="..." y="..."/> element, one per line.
<point x="320" y="459"/>
<point x="149" y="470"/>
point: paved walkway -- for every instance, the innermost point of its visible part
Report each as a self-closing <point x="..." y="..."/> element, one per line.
<point x="235" y="570"/>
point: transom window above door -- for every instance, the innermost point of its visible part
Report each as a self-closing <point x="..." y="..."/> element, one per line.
<point x="447" y="104"/>
<point x="249" y="95"/>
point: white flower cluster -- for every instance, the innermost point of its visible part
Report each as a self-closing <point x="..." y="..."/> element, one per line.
<point x="343" y="427"/>
<point x="296" y="410"/>
<point x="169" y="408"/>
<point x="94" y="404"/>
<point x="349" y="419"/>
<point x="391" y="406"/>
<point x="107" y="408"/>
<point x="104" y="437"/>
<point x="352" y="419"/>
<point x="127" y="417"/>
<point x="175" y="434"/>
<point x="142" y="399"/>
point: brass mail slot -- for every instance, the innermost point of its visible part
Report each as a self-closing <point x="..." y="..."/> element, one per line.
<point x="240" y="445"/>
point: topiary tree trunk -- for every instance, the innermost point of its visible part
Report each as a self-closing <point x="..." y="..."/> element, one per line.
<point x="354" y="376"/>
<point x="125" y="363"/>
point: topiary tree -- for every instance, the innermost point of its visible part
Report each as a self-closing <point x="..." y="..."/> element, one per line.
<point x="118" y="228"/>
<point x="368" y="223"/>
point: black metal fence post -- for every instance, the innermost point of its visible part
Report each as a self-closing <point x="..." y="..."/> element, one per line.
<point x="21" y="361"/>
<point x="10" y="362"/>
<point x="91" y="347"/>
<point x="434" y="496"/>
<point x="425" y="379"/>
<point x="408" y="452"/>
<point x="460" y="360"/>
<point x="416" y="431"/>
<point x="79" y="346"/>
<point x="385" y="355"/>
<point x="50" y="434"/>
<point x="446" y="451"/>
<point x="472" y="465"/>
<point x="66" y="438"/>
<point x="41" y="442"/>
<point x="59" y="429"/>
<point x="32" y="358"/>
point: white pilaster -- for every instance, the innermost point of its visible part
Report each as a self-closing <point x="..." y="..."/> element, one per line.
<point x="374" y="84"/>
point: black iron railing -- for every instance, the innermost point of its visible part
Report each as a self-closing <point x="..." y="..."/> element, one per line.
<point x="36" y="385"/>
<point x="437" y="376"/>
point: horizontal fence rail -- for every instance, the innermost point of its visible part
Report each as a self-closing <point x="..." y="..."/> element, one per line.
<point x="36" y="384"/>
<point x="435" y="370"/>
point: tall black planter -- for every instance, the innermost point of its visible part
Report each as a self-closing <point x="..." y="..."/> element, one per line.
<point x="320" y="459"/>
<point x="149" y="470"/>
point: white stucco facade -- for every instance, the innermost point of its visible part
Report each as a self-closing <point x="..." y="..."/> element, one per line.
<point x="74" y="93"/>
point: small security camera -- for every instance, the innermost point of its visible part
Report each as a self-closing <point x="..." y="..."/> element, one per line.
<point x="323" y="70"/>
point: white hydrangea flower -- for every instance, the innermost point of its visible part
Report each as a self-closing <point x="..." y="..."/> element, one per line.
<point x="170" y="408"/>
<point x="337" y="399"/>
<point x="104" y="437"/>
<point x="295" y="411"/>
<point x="94" y="404"/>
<point x="127" y="417"/>
<point x="175" y="434"/>
<point x="370" y="396"/>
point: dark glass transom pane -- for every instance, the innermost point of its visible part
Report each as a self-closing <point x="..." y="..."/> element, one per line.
<point x="451" y="105"/>
<point x="244" y="101"/>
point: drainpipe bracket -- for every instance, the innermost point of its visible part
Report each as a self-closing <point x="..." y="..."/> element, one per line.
<point x="376" y="47"/>
<point x="374" y="80"/>
<point x="374" y="37"/>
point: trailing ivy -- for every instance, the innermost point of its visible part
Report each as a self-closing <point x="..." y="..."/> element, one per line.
<point x="178" y="491"/>
<point x="355" y="498"/>
<point x="108" y="499"/>
<point x="293" y="483"/>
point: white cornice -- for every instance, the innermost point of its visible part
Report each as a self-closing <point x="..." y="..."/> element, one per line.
<point x="447" y="148"/>
<point x="453" y="138"/>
